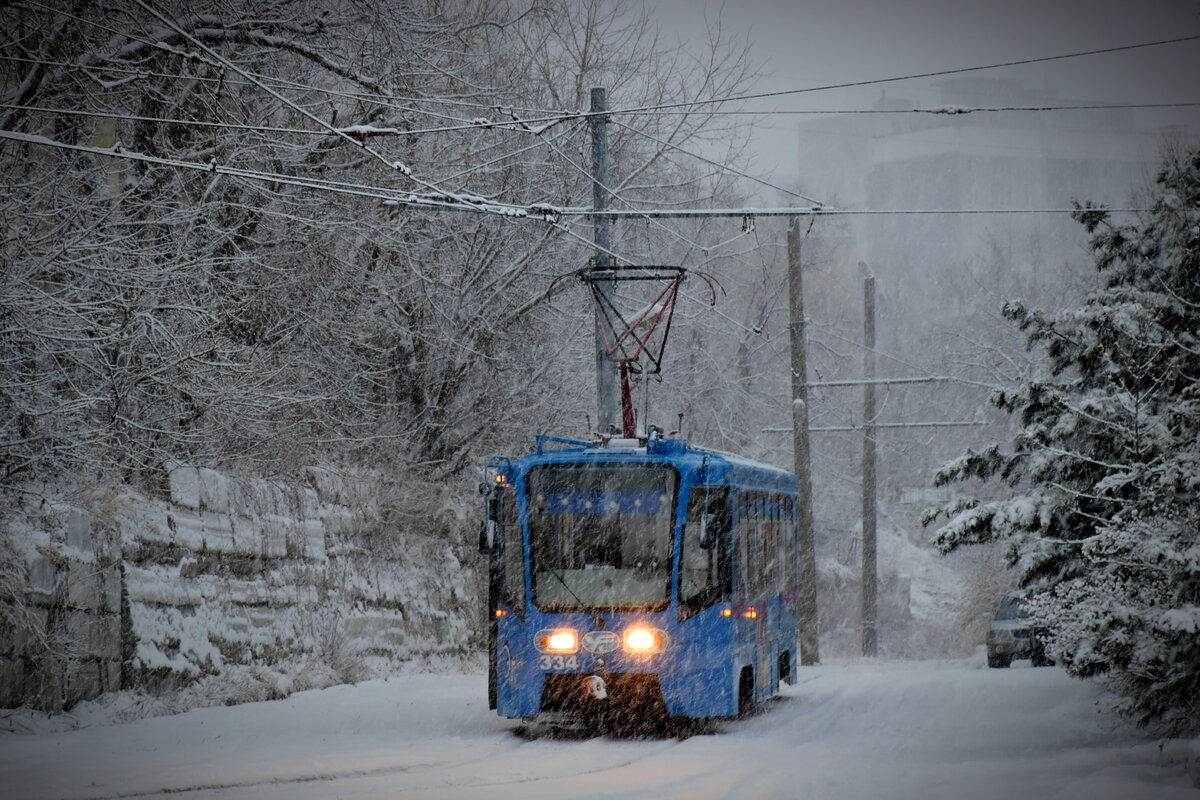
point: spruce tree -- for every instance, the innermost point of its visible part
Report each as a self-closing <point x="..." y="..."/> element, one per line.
<point x="1102" y="513"/>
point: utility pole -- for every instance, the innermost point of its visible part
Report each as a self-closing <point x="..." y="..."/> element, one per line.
<point x="870" y="641"/>
<point x="807" y="611"/>
<point x="607" y="398"/>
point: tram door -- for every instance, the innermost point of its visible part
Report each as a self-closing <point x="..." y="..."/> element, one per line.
<point x="759" y="535"/>
<point x="768" y="512"/>
<point x="503" y="542"/>
<point x="749" y="590"/>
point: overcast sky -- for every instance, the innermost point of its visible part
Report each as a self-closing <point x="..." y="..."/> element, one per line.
<point x="808" y="43"/>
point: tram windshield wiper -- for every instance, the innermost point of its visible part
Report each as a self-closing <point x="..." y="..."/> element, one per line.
<point x="559" y="574"/>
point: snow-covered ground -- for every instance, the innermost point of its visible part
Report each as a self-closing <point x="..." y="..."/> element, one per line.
<point x="937" y="729"/>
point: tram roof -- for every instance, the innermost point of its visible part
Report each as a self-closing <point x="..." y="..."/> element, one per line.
<point x="554" y="450"/>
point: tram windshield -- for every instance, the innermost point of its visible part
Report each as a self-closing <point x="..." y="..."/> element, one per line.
<point x="600" y="535"/>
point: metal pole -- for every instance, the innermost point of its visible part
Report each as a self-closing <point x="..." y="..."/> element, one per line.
<point x="607" y="398"/>
<point x="807" y="612"/>
<point x="870" y="640"/>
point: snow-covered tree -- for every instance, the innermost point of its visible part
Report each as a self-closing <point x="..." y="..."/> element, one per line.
<point x="1103" y="516"/>
<point x="274" y="310"/>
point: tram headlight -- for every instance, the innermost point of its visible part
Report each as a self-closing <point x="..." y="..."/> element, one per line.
<point x="560" y="640"/>
<point x="644" y="640"/>
<point x="563" y="641"/>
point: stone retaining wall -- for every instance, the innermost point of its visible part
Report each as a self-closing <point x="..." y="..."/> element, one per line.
<point x="63" y="645"/>
<point x="123" y="589"/>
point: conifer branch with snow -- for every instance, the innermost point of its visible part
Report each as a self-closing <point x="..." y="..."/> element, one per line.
<point x="1103" y="513"/>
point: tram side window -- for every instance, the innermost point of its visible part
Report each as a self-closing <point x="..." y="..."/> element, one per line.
<point x="788" y="545"/>
<point x="751" y="565"/>
<point x="705" y="577"/>
<point x="513" y="586"/>
<point x="769" y="525"/>
<point x="763" y="543"/>
<point x="743" y="536"/>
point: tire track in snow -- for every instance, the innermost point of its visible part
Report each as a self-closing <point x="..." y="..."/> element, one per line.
<point x="497" y="759"/>
<point x="296" y="780"/>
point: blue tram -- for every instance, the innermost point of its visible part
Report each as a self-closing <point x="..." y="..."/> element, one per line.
<point x="639" y="571"/>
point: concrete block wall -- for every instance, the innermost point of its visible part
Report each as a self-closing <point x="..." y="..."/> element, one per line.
<point x="219" y="571"/>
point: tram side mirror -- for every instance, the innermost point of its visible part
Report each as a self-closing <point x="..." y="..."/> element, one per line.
<point x="487" y="531"/>
<point x="715" y="520"/>
<point x="487" y="536"/>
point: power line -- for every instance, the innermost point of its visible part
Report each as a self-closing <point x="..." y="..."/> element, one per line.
<point x="522" y="125"/>
<point x="817" y="211"/>
<point x="248" y="127"/>
<point x="723" y="167"/>
<point x="262" y="81"/>
<point x="947" y="109"/>
<point x="398" y="104"/>
<point x="538" y="142"/>
<point x="437" y="201"/>
<point x="163" y="120"/>
<point x="911" y="76"/>
<point x="256" y="79"/>
<point x="519" y="124"/>
<point x="844" y="428"/>
<point x="616" y="194"/>
<point x="245" y="73"/>
<point x="897" y="381"/>
<point x="452" y="201"/>
<point x="690" y="105"/>
<point x="391" y="102"/>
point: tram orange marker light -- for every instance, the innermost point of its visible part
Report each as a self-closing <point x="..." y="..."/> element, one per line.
<point x="750" y="613"/>
<point x="500" y="612"/>
<point x="726" y="612"/>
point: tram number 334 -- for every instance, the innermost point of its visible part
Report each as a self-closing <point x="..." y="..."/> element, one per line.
<point x="558" y="663"/>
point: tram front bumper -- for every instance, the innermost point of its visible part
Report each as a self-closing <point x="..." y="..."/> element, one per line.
<point x="584" y="693"/>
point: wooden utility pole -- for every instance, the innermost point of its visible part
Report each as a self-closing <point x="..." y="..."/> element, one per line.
<point x="809" y="652"/>
<point x="607" y="396"/>
<point x="870" y="641"/>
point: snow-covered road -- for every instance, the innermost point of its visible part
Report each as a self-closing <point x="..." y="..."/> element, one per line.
<point x="926" y="730"/>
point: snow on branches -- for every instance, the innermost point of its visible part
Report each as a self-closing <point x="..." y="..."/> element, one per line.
<point x="223" y="242"/>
